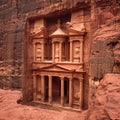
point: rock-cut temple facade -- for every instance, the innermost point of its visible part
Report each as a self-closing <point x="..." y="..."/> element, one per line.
<point x="56" y="45"/>
<point x="62" y="62"/>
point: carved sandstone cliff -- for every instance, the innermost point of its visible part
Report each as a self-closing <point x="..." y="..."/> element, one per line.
<point x="104" y="59"/>
<point x="106" y="101"/>
<point x="105" y="52"/>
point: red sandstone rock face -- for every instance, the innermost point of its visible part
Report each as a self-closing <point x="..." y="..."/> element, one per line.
<point x="105" y="53"/>
<point x="106" y="102"/>
<point x="13" y="16"/>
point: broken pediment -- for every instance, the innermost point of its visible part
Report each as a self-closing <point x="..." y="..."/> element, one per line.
<point x="76" y="29"/>
<point x="39" y="34"/>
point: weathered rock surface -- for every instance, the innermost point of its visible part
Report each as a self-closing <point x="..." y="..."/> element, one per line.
<point x="105" y="52"/>
<point x="106" y="102"/>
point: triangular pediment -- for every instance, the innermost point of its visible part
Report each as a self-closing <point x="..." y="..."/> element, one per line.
<point x="56" y="67"/>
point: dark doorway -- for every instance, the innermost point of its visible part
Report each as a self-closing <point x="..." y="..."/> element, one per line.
<point x="66" y="91"/>
<point x="56" y="89"/>
<point x="46" y="88"/>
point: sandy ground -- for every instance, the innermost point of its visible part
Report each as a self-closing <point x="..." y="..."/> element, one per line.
<point x="10" y="110"/>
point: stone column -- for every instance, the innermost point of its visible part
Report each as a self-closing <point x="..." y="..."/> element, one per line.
<point x="71" y="51"/>
<point x="53" y="51"/>
<point x="70" y="92"/>
<point x="38" y="84"/>
<point x="34" y="88"/>
<point x="34" y="55"/>
<point x="50" y="89"/>
<point x="42" y="49"/>
<point x="81" y="92"/>
<point x="60" y="51"/>
<point x="42" y="88"/>
<point x="81" y="51"/>
<point x="62" y="91"/>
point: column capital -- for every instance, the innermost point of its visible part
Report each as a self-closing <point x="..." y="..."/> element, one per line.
<point x="70" y="78"/>
<point x="49" y="75"/>
<point x="33" y="74"/>
<point x="53" y="42"/>
<point x="70" y="41"/>
<point x="60" y="42"/>
<point x="33" y="43"/>
<point x="62" y="78"/>
<point x="42" y="75"/>
<point x="81" y="81"/>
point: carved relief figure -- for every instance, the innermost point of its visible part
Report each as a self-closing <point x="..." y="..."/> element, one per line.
<point x="38" y="52"/>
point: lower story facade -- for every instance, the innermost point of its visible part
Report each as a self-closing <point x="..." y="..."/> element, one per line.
<point x="58" y="87"/>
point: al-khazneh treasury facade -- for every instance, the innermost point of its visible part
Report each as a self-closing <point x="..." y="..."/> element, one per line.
<point x="56" y="59"/>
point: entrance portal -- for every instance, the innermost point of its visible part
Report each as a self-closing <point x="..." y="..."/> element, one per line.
<point x="56" y="89"/>
<point x="66" y="91"/>
<point x="46" y="88"/>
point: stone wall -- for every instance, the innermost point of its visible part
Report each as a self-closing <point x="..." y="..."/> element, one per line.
<point x="11" y="41"/>
<point x="105" y="45"/>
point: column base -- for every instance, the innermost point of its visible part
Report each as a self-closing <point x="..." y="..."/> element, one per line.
<point x="50" y="100"/>
<point x="62" y="101"/>
<point x="70" y="104"/>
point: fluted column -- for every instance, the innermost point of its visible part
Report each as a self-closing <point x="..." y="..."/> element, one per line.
<point x="81" y="51"/>
<point x="34" y="55"/>
<point x="42" y="88"/>
<point x="34" y="88"/>
<point x="71" y="51"/>
<point x="70" y="92"/>
<point x="81" y="92"/>
<point x="60" y="51"/>
<point x="38" y="84"/>
<point x="53" y="51"/>
<point x="42" y="47"/>
<point x="62" y="91"/>
<point x="50" y="89"/>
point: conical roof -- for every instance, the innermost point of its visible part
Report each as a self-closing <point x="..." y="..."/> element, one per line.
<point x="58" y="33"/>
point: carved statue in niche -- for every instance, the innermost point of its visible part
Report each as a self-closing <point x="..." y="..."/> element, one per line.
<point x="56" y="52"/>
<point x="77" y="51"/>
<point x="76" y="89"/>
<point x="77" y="96"/>
<point x="39" y="95"/>
<point x="38" y="52"/>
